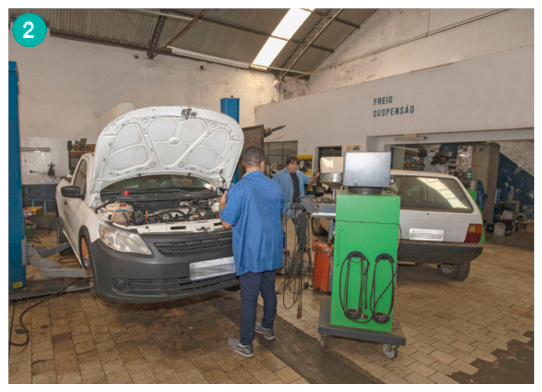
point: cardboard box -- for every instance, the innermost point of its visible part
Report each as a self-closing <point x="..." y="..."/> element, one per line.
<point x="30" y="211"/>
<point x="530" y="227"/>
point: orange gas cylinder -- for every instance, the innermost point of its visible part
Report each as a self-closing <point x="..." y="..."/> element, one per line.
<point x="323" y="258"/>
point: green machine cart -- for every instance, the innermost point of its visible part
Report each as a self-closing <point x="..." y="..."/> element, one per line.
<point x="364" y="267"/>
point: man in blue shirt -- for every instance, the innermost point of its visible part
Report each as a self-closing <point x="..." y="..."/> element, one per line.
<point x="253" y="210"/>
<point x="292" y="183"/>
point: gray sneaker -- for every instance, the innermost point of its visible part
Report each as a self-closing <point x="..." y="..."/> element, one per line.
<point x="245" y="351"/>
<point x="266" y="332"/>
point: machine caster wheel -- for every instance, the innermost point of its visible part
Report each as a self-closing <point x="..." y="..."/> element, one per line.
<point x="390" y="351"/>
<point x="323" y="340"/>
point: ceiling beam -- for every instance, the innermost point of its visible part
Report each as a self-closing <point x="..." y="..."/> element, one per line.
<point x="261" y="33"/>
<point x="182" y="32"/>
<point x="103" y="41"/>
<point x="156" y="36"/>
<point x="345" y="22"/>
<point x="323" y="23"/>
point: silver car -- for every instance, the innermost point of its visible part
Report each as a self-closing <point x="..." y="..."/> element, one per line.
<point x="439" y="222"/>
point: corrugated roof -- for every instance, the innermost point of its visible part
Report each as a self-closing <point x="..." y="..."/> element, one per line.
<point x="236" y="34"/>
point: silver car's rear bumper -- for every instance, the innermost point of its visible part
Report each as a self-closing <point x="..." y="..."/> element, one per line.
<point x="427" y="252"/>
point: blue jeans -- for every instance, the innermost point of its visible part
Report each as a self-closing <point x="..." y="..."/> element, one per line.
<point x="251" y="285"/>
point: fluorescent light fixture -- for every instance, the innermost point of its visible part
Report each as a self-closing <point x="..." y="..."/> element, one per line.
<point x="35" y="149"/>
<point x="286" y="29"/>
<point x="409" y="137"/>
<point x="206" y="57"/>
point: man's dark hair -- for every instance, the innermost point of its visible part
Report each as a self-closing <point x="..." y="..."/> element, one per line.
<point x="253" y="156"/>
<point x="291" y="158"/>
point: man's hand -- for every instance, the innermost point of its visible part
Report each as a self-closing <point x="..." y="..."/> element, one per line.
<point x="222" y="201"/>
<point x="311" y="179"/>
<point x="221" y="206"/>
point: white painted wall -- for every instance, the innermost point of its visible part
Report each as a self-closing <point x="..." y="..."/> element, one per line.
<point x="65" y="86"/>
<point x="492" y="92"/>
<point x="39" y="161"/>
<point x="112" y="114"/>
<point x="355" y="61"/>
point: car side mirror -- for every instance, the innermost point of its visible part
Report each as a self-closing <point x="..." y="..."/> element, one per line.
<point x="72" y="191"/>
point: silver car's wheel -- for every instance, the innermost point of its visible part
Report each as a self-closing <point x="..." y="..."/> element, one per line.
<point x="455" y="271"/>
<point x="446" y="269"/>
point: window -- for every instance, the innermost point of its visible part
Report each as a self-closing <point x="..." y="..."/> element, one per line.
<point x="80" y="179"/>
<point x="277" y="152"/>
<point x="429" y="193"/>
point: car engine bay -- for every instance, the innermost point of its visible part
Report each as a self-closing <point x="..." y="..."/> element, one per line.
<point x="136" y="212"/>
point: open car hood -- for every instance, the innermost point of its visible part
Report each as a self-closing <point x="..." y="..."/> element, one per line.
<point x="168" y="140"/>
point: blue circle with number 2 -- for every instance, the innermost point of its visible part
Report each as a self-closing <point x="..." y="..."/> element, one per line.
<point x="29" y="30"/>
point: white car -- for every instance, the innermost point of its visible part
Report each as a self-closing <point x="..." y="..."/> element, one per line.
<point x="439" y="222"/>
<point x="141" y="212"/>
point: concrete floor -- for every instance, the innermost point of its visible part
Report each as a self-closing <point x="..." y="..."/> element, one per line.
<point x="477" y="331"/>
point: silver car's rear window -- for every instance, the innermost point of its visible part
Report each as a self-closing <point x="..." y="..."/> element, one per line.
<point x="429" y="193"/>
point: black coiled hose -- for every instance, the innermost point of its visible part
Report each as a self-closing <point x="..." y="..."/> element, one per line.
<point x="357" y="313"/>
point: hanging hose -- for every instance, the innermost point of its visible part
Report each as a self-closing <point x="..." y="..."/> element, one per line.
<point x="354" y="314"/>
<point x="357" y="313"/>
<point x="378" y="317"/>
<point x="294" y="274"/>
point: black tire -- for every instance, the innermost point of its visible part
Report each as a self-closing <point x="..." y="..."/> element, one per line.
<point x="61" y="239"/>
<point x="456" y="272"/>
<point x="85" y="253"/>
<point x="317" y="229"/>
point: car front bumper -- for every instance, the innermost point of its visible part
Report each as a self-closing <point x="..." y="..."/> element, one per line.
<point x="426" y="252"/>
<point x="163" y="276"/>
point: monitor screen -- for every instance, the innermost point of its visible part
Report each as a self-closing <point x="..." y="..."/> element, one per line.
<point x="367" y="169"/>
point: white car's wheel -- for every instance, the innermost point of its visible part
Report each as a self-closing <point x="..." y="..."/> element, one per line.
<point x="61" y="239"/>
<point x="86" y="255"/>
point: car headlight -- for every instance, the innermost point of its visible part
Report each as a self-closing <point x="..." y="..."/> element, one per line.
<point x="122" y="241"/>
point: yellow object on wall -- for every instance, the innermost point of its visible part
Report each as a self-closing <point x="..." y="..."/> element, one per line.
<point x="305" y="165"/>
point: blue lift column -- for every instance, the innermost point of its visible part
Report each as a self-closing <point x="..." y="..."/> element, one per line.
<point x="17" y="272"/>
<point x="230" y="106"/>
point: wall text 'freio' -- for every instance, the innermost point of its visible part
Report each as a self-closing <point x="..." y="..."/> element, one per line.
<point x="394" y="111"/>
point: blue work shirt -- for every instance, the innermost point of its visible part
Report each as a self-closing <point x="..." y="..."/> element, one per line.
<point x="253" y="207"/>
<point x="284" y="179"/>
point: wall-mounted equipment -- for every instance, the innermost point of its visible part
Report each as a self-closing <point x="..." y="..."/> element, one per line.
<point x="35" y="149"/>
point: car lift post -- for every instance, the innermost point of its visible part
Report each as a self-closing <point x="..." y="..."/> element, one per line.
<point x="17" y="242"/>
<point x="21" y="253"/>
<point x="230" y="106"/>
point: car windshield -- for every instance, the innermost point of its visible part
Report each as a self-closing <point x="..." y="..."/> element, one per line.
<point x="158" y="182"/>
<point x="430" y="193"/>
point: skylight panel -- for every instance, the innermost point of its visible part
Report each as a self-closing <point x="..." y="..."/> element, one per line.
<point x="286" y="29"/>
